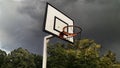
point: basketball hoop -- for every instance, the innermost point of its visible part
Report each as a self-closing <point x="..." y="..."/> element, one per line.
<point x="61" y="35"/>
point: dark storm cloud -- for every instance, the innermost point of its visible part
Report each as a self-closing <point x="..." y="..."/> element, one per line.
<point x="104" y="20"/>
<point x="34" y="8"/>
<point x="20" y="29"/>
<point x="62" y="3"/>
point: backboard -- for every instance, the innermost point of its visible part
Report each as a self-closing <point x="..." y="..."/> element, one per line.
<point x="55" y="21"/>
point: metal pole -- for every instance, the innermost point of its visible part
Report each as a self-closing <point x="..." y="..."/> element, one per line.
<point x="46" y="40"/>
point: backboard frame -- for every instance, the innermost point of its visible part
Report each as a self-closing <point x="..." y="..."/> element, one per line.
<point x="55" y="23"/>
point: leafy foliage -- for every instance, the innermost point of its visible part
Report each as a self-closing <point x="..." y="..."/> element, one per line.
<point x="21" y="58"/>
<point x="83" y="54"/>
<point x="2" y="57"/>
<point x="37" y="60"/>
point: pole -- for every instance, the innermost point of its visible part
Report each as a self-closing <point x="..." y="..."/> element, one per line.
<point x="46" y="40"/>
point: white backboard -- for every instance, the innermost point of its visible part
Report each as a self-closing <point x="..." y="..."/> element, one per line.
<point x="55" y="21"/>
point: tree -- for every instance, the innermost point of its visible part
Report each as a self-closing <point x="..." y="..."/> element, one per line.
<point x="57" y="57"/>
<point x="38" y="60"/>
<point x="19" y="58"/>
<point x="83" y="54"/>
<point x="2" y="57"/>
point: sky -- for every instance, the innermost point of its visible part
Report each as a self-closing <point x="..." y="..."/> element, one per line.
<point x="21" y="22"/>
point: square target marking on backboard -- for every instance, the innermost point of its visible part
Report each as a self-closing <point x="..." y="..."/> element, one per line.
<point x="55" y="21"/>
<point x="59" y="25"/>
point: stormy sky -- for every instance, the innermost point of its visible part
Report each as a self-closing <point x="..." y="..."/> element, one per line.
<point x="21" y="22"/>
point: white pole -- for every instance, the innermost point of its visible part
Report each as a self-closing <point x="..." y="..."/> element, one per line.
<point x="46" y="40"/>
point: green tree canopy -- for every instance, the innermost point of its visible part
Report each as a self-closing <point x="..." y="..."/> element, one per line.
<point x="38" y="60"/>
<point x="19" y="58"/>
<point x="2" y="57"/>
<point x="82" y="54"/>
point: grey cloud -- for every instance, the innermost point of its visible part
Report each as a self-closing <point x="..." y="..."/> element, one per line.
<point x="62" y="2"/>
<point x="34" y="8"/>
<point x="102" y="1"/>
<point x="18" y="29"/>
<point x="89" y="1"/>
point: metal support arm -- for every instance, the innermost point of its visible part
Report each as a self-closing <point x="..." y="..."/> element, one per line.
<point x="46" y="40"/>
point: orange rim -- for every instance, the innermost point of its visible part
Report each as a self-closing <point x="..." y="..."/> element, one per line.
<point x="71" y="34"/>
